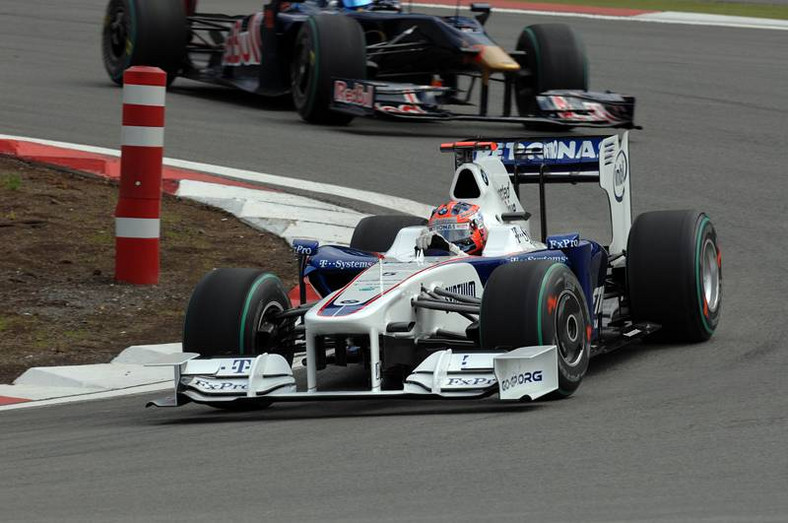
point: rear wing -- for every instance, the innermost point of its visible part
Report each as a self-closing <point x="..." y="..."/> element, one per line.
<point x="562" y="159"/>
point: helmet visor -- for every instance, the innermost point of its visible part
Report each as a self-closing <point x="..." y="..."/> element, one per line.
<point x="453" y="232"/>
<point x="355" y="4"/>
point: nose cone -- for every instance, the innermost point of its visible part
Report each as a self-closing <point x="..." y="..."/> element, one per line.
<point x="493" y="58"/>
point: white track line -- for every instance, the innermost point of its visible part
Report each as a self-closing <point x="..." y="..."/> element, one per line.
<point x="663" y="17"/>
<point x="380" y="200"/>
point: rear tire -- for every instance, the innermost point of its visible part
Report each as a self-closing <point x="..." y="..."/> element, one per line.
<point x="377" y="233"/>
<point x="326" y="47"/>
<point x="539" y="303"/>
<point x="144" y="32"/>
<point x="554" y="60"/>
<point x="674" y="274"/>
<point x="230" y="314"/>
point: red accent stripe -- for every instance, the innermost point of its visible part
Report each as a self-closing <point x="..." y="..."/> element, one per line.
<point x="143" y="115"/>
<point x="106" y="166"/>
<point x="143" y="75"/>
<point x="311" y="294"/>
<point x="8" y="400"/>
<point x="137" y="260"/>
<point x="138" y="208"/>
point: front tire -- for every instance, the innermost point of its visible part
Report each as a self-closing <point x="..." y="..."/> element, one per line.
<point x="539" y="303"/>
<point x="554" y="60"/>
<point x="232" y="313"/>
<point x="674" y="274"/>
<point x="144" y="32"/>
<point x="326" y="47"/>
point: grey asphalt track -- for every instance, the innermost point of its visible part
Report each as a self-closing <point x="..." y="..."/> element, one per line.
<point x="656" y="433"/>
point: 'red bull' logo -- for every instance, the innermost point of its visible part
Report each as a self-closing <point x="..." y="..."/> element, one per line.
<point x="244" y="47"/>
<point x="357" y="95"/>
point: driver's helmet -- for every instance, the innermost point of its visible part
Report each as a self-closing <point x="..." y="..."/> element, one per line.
<point x="461" y="224"/>
<point x="355" y="4"/>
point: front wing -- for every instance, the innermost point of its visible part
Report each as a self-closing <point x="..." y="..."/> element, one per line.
<point x="406" y="101"/>
<point x="524" y="373"/>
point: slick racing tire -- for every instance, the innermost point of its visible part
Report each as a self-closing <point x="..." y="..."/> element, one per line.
<point x="554" y="59"/>
<point x="539" y="303"/>
<point x="327" y="46"/>
<point x="144" y="32"/>
<point x="674" y="274"/>
<point x="232" y="313"/>
<point x="377" y="233"/>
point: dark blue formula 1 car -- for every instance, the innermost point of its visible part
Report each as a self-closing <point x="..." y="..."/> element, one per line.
<point x="512" y="315"/>
<point x="345" y="58"/>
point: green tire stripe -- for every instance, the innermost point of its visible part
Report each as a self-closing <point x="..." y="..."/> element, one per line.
<point x="247" y="304"/>
<point x="315" y="71"/>
<point x="545" y="278"/>
<point x="538" y="56"/>
<point x="698" y="261"/>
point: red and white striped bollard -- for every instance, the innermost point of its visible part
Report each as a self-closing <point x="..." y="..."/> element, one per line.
<point x="137" y="214"/>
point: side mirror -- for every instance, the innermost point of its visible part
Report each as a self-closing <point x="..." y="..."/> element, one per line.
<point x="483" y="11"/>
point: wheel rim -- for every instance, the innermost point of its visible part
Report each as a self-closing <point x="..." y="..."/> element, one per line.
<point x="118" y="31"/>
<point x="267" y="331"/>
<point x="710" y="274"/>
<point x="569" y="328"/>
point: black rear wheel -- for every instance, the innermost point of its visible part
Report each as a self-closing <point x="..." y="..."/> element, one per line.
<point x="674" y="274"/>
<point x="144" y="32"/>
<point x="326" y="47"/>
<point x="377" y="233"/>
<point x="539" y="303"/>
<point x="554" y="60"/>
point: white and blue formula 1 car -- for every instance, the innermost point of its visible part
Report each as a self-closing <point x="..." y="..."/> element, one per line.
<point x="521" y="320"/>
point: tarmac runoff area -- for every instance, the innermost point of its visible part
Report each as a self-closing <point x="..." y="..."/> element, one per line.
<point x="246" y="194"/>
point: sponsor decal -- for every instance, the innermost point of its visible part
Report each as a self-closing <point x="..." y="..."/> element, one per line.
<point x="305" y="247"/>
<point x="521" y="379"/>
<point x="484" y="177"/>
<point x="564" y="241"/>
<point x="241" y="366"/>
<point x="346" y="264"/>
<point x="347" y="302"/>
<point x="505" y="194"/>
<point x="411" y="105"/>
<point x="466" y="289"/>
<point x="520" y="235"/>
<point x="530" y="257"/>
<point x="558" y="151"/>
<point x="400" y="109"/>
<point x="244" y="47"/>
<point x="480" y="381"/>
<point x="207" y="385"/>
<point x="620" y="173"/>
<point x="591" y="111"/>
<point x="358" y="94"/>
<point x="598" y="296"/>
